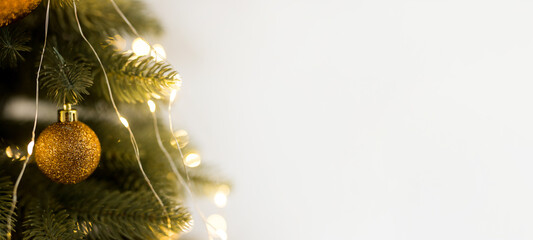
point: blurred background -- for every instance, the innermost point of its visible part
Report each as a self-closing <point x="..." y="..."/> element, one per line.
<point x="360" y="119"/>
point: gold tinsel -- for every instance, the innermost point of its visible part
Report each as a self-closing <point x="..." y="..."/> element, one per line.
<point x="67" y="152"/>
<point x="11" y="10"/>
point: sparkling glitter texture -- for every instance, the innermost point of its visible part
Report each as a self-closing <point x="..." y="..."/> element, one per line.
<point x="11" y="10"/>
<point x="67" y="152"/>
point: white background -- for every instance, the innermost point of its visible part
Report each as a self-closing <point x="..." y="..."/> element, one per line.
<point x="360" y="119"/>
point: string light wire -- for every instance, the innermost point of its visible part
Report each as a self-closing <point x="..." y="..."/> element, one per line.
<point x="173" y="165"/>
<point x="122" y="119"/>
<point x="186" y="183"/>
<point x="117" y="9"/>
<point x="173" y="94"/>
<point x="30" y="145"/>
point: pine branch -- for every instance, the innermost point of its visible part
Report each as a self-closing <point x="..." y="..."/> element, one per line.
<point x="13" y="41"/>
<point x="136" y="78"/>
<point x="118" y="160"/>
<point x="98" y="210"/>
<point x="6" y="188"/>
<point x="65" y="81"/>
<point x="117" y="215"/>
<point x="99" y="19"/>
<point x="46" y="220"/>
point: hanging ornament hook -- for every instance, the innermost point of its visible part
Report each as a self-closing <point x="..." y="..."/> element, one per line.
<point x="67" y="114"/>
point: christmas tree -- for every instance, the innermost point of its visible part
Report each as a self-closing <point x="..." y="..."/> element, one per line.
<point x="113" y="168"/>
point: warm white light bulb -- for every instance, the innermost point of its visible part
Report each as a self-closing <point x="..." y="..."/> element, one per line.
<point x="124" y="122"/>
<point x="30" y="147"/>
<point x="221" y="199"/>
<point x="9" y="152"/>
<point x="221" y="234"/>
<point x="158" y="52"/>
<point x="151" y="105"/>
<point x="182" y="138"/>
<point x="173" y="95"/>
<point x="217" y="224"/>
<point x="140" y="47"/>
<point x="192" y="160"/>
<point x="177" y="82"/>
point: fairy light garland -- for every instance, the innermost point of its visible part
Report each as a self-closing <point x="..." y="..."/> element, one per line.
<point x="31" y="143"/>
<point x="190" y="160"/>
<point x="122" y="119"/>
<point x="172" y="97"/>
<point x="185" y="183"/>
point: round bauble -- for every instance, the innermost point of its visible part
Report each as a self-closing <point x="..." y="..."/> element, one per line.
<point x="67" y="152"/>
<point x="11" y="10"/>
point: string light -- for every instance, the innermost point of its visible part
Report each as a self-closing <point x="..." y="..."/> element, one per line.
<point x="171" y="100"/>
<point x="221" y="234"/>
<point x="221" y="196"/>
<point x="140" y="47"/>
<point x="122" y="119"/>
<point x="217" y="226"/>
<point x="19" y="178"/>
<point x="192" y="160"/>
<point x="9" y="152"/>
<point x="124" y="122"/>
<point x="173" y="95"/>
<point x="220" y="199"/>
<point x="30" y="148"/>
<point x="158" y="53"/>
<point x="182" y="137"/>
<point x="217" y="222"/>
<point x="175" y="170"/>
<point x="151" y="105"/>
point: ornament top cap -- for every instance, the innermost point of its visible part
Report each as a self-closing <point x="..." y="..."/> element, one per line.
<point x="67" y="114"/>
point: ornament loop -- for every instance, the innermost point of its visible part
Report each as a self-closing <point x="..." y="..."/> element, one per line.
<point x="67" y="114"/>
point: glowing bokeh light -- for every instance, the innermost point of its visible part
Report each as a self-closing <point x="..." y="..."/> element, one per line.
<point x="173" y="95"/>
<point x="9" y="152"/>
<point x="221" y="199"/>
<point x="140" y="47"/>
<point x="216" y="222"/>
<point x="30" y="147"/>
<point x="124" y="122"/>
<point x="221" y="234"/>
<point x="192" y="160"/>
<point x="183" y="138"/>
<point x="158" y="52"/>
<point x="151" y="105"/>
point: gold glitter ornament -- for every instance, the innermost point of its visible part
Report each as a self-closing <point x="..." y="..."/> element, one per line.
<point x="11" y="10"/>
<point x="67" y="151"/>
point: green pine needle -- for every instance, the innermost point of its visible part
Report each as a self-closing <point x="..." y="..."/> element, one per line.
<point x="105" y="214"/>
<point x="136" y="78"/>
<point x="47" y="220"/>
<point x="6" y="190"/>
<point x="65" y="81"/>
<point x="12" y="42"/>
<point x="99" y="18"/>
